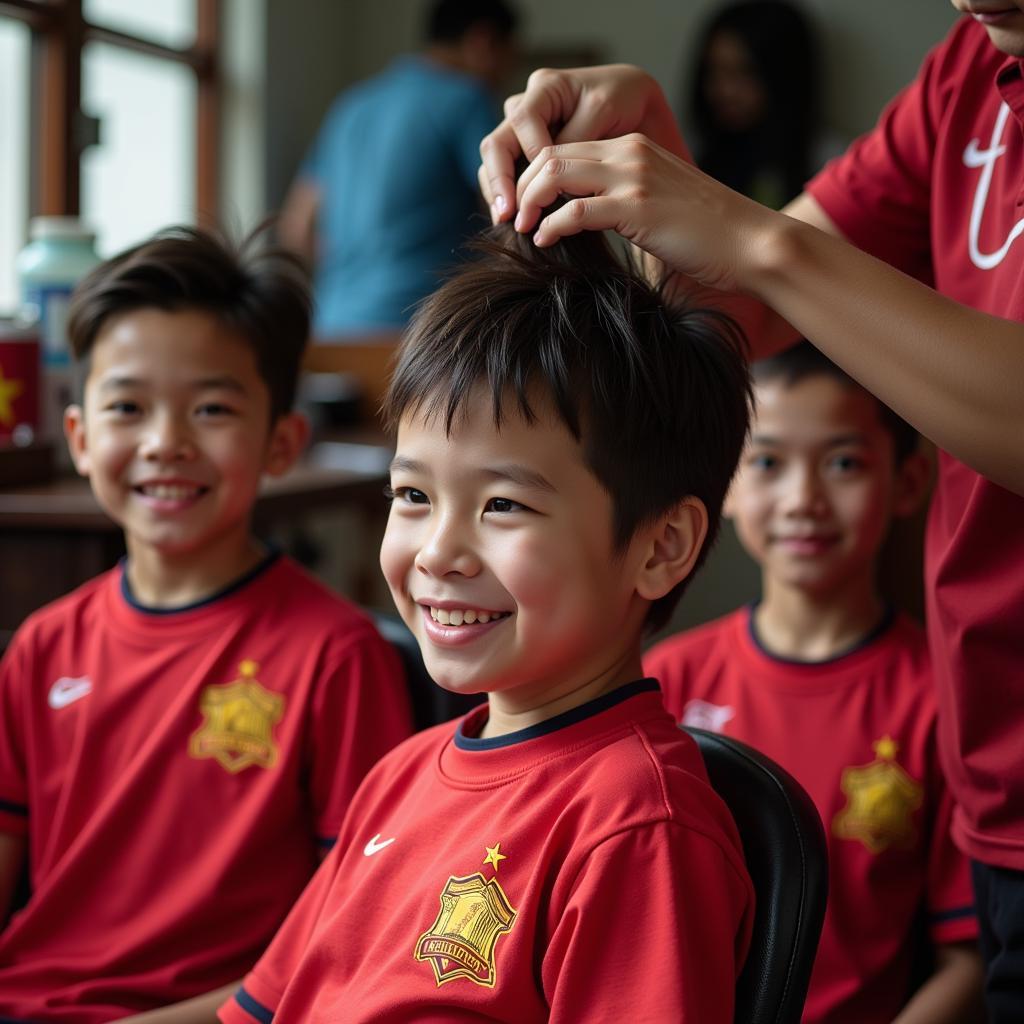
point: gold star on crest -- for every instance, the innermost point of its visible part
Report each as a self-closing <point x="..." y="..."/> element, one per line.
<point x="886" y="748"/>
<point x="494" y="855"/>
<point x="248" y="668"/>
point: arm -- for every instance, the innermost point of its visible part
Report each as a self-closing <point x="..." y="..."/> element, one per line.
<point x="12" y="858"/>
<point x="199" y="1010"/>
<point x="953" y="994"/>
<point x="296" y="226"/>
<point x="901" y="340"/>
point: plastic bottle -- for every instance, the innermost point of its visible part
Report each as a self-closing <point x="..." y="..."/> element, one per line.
<point x="59" y="253"/>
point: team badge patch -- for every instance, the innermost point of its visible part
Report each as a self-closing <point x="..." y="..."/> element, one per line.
<point x="881" y="800"/>
<point x="239" y="718"/>
<point x="475" y="913"/>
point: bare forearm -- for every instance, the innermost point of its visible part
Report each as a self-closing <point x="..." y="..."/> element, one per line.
<point x="954" y="373"/>
<point x="200" y="1010"/>
<point x="952" y="995"/>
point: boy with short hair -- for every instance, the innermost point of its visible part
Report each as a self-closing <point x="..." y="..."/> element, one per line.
<point x="558" y="854"/>
<point x="837" y="688"/>
<point x="180" y="737"/>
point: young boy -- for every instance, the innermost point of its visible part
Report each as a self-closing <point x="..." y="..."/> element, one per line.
<point x="829" y="682"/>
<point x="558" y="854"/>
<point x="180" y="737"/>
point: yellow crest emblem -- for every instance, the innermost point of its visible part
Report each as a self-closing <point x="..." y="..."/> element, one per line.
<point x="239" y="718"/>
<point x="460" y="943"/>
<point x="881" y="800"/>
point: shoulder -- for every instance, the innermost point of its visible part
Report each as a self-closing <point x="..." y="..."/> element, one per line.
<point x="50" y="621"/>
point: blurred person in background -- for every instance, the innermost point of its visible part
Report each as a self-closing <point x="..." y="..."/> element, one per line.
<point x="388" y="190"/>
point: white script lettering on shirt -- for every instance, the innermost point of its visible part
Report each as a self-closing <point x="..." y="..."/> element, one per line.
<point x="986" y="160"/>
<point x="67" y="690"/>
<point x="375" y="845"/>
<point x="702" y="714"/>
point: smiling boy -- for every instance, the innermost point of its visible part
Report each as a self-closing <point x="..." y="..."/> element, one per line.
<point x="558" y="854"/>
<point x="180" y="737"/>
<point x="836" y="687"/>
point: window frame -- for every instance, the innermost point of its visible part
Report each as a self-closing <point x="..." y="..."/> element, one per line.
<point x="60" y="129"/>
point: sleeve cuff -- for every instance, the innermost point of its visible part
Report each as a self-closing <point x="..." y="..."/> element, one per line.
<point x="13" y="817"/>
<point x="242" y="1008"/>
<point x="955" y="924"/>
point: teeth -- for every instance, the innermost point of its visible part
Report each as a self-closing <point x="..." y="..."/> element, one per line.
<point x="462" y="616"/>
<point x="169" y="492"/>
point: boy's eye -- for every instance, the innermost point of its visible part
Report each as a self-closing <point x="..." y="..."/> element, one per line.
<point x="503" y="505"/>
<point x="122" y="407"/>
<point x="214" y="409"/>
<point x="407" y="495"/>
<point x="763" y="462"/>
<point x="846" y="463"/>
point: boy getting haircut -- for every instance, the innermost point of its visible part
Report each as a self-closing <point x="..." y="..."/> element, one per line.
<point x="179" y="737"/>
<point x="837" y="687"/>
<point x="564" y="440"/>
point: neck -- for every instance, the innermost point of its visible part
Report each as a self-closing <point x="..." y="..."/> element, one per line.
<point x="508" y="713"/>
<point x="794" y="623"/>
<point x="159" y="580"/>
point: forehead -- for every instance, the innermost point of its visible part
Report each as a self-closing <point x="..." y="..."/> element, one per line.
<point x="819" y="406"/>
<point x="475" y="442"/>
<point x="154" y="346"/>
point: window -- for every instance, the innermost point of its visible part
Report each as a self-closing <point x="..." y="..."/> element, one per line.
<point x="120" y="124"/>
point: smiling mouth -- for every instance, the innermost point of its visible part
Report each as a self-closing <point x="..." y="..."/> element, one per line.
<point x="170" y="492"/>
<point x="464" y="616"/>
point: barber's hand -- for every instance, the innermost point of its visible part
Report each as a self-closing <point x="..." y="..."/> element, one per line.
<point x="575" y="105"/>
<point x="662" y="204"/>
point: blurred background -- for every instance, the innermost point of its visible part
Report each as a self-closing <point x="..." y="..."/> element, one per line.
<point x="136" y="114"/>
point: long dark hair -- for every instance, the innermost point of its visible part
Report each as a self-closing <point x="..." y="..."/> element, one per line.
<point x="783" y="49"/>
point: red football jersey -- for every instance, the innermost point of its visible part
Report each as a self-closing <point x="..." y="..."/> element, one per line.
<point x="858" y="732"/>
<point x="174" y="773"/>
<point x="937" y="189"/>
<point x="580" y="870"/>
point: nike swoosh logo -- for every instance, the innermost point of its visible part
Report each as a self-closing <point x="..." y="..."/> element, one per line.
<point x="375" y="845"/>
<point x="67" y="690"/>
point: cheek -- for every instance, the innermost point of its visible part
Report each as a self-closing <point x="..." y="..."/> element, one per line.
<point x="397" y="553"/>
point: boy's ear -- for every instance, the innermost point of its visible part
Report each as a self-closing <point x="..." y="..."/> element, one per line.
<point x="913" y="481"/>
<point x="74" y="433"/>
<point x="674" y="543"/>
<point x="288" y="439"/>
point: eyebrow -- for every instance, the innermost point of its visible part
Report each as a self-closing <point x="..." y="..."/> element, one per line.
<point x="512" y="472"/>
<point x="833" y="442"/>
<point x="224" y="383"/>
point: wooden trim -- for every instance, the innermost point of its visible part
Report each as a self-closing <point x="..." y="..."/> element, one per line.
<point x="208" y="21"/>
<point x="35" y="14"/>
<point x="98" y="34"/>
<point x="60" y="77"/>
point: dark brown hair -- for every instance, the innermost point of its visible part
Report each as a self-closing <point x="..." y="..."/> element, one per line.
<point x="259" y="292"/>
<point x="659" y="397"/>
<point x="803" y="360"/>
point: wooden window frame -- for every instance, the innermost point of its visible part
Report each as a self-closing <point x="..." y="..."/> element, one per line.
<point x="59" y="132"/>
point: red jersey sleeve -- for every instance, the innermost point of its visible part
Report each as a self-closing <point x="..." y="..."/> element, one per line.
<point x="657" y="928"/>
<point x="257" y="997"/>
<point x="360" y="710"/>
<point x="15" y="668"/>
<point x="878" y="193"/>
<point x="950" y="894"/>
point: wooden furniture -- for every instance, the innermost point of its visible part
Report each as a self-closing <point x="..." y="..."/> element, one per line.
<point x="54" y="536"/>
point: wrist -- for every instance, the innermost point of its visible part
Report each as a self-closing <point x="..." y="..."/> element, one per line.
<point x="776" y="251"/>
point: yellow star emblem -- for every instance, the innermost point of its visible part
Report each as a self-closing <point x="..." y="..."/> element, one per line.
<point x="9" y="391"/>
<point x="886" y="748"/>
<point x="494" y="855"/>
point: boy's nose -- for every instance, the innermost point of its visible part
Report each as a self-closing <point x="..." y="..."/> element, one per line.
<point x="167" y="440"/>
<point x="805" y="494"/>
<point x="447" y="550"/>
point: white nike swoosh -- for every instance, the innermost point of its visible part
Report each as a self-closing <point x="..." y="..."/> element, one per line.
<point x="375" y="846"/>
<point x="67" y="690"/>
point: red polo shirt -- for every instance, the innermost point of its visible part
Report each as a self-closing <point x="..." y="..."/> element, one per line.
<point x="936" y="189"/>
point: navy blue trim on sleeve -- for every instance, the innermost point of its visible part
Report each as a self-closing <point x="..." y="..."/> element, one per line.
<point x="326" y="842"/>
<point x="953" y="914"/>
<point x="19" y="809"/>
<point x="253" y="1008"/>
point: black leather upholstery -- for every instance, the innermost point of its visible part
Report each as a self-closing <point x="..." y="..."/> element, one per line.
<point x="784" y="843"/>
<point x="430" y="703"/>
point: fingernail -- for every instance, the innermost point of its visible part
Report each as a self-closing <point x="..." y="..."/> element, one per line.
<point x="536" y="238"/>
<point x="501" y="205"/>
<point x="519" y="221"/>
<point x="495" y="216"/>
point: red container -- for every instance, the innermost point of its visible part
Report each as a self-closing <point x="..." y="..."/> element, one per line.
<point x="19" y="385"/>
